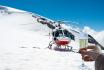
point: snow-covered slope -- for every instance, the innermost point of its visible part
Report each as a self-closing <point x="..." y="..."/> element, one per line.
<point x="21" y="28"/>
<point x="20" y="33"/>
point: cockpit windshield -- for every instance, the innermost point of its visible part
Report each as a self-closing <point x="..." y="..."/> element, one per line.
<point x="63" y="33"/>
<point x="60" y="33"/>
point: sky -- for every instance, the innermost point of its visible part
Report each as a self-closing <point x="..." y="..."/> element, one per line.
<point x="85" y="12"/>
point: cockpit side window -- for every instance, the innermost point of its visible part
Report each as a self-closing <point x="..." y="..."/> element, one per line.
<point x="66" y="33"/>
<point x="69" y="34"/>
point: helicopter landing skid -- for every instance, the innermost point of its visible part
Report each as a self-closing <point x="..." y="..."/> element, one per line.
<point x="60" y="48"/>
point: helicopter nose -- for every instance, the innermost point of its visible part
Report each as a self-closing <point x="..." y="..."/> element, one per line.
<point x="62" y="42"/>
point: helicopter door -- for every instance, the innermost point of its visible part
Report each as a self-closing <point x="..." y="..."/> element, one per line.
<point x="66" y="33"/>
<point x="69" y="34"/>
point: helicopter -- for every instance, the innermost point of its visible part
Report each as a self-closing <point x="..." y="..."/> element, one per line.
<point x="61" y="38"/>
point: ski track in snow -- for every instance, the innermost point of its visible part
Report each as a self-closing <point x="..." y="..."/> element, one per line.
<point x="19" y="33"/>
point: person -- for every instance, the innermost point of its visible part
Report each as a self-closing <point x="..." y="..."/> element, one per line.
<point x="93" y="53"/>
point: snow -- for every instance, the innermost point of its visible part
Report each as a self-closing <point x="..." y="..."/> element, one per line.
<point x="13" y="9"/>
<point x="20" y="33"/>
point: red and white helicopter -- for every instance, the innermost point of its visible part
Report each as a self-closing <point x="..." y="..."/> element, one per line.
<point x="61" y="38"/>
